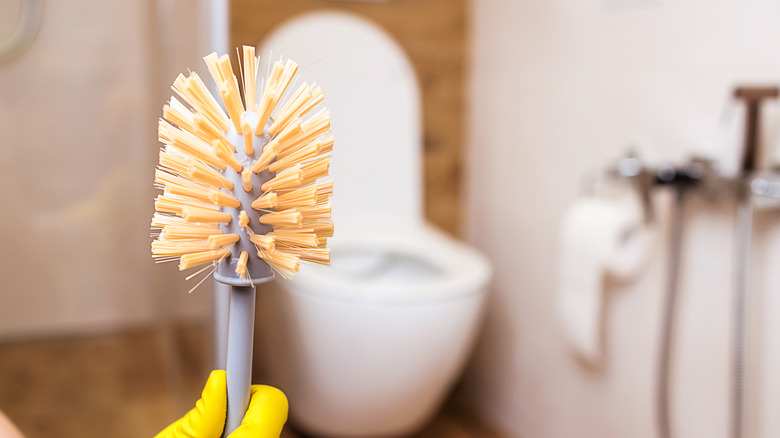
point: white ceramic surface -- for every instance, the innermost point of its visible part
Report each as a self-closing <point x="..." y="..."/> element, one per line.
<point x="374" y="101"/>
<point x="370" y="346"/>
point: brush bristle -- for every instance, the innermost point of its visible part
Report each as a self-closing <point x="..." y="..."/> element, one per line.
<point x="196" y="197"/>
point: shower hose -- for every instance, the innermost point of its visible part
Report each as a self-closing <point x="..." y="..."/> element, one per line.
<point x="744" y="233"/>
<point x="670" y="305"/>
<point x="744" y="223"/>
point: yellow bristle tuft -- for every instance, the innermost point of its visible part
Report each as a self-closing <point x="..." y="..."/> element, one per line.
<point x="325" y="145"/>
<point x="222" y="73"/>
<point x="217" y="241"/>
<point x="243" y="219"/>
<point x="286" y="264"/>
<point x="249" y="147"/>
<point x="317" y="97"/>
<point x="177" y="185"/>
<point x="191" y="260"/>
<point x="270" y="150"/>
<point x="250" y="78"/>
<point x="167" y="248"/>
<point x="205" y="174"/>
<point x="269" y="97"/>
<point x="202" y="215"/>
<point x="246" y="179"/>
<point x="291" y="238"/>
<point x="313" y="255"/>
<point x="289" y="132"/>
<point x="207" y="130"/>
<point x="196" y="94"/>
<point x="324" y="228"/>
<point x="174" y="232"/>
<point x="265" y="202"/>
<point x="174" y="161"/>
<point x="319" y="122"/>
<point x="162" y="220"/>
<point x="196" y="147"/>
<point x="167" y="203"/>
<point x="290" y="179"/>
<point x="318" y="211"/>
<point x="226" y="155"/>
<point x="280" y="78"/>
<point x="325" y="189"/>
<point x="264" y="241"/>
<point x="291" y="109"/>
<point x="241" y="265"/>
<point x="318" y="125"/>
<point x="315" y="169"/>
<point x="266" y="156"/>
<point x="304" y="196"/>
<point x="297" y="143"/>
<point x="195" y="123"/>
<point x="213" y="111"/>
<point x="230" y="94"/>
<point x="291" y="218"/>
<point x="222" y="199"/>
<point x="304" y="153"/>
<point x="178" y="114"/>
<point x="188" y="143"/>
<point x="196" y="194"/>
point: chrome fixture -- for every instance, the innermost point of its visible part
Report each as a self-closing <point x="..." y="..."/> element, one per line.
<point x="745" y="188"/>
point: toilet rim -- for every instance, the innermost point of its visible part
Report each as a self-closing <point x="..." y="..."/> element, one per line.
<point x="465" y="272"/>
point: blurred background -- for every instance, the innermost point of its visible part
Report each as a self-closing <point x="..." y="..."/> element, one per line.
<point x="522" y="102"/>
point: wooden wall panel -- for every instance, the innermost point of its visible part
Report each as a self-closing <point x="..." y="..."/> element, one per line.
<point x="433" y="33"/>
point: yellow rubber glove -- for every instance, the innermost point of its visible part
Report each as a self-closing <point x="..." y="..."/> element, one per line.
<point x="264" y="418"/>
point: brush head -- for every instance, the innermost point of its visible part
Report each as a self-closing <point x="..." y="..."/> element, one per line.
<point x="258" y="271"/>
<point x="242" y="183"/>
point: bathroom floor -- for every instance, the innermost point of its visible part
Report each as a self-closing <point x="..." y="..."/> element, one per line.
<point x="121" y="385"/>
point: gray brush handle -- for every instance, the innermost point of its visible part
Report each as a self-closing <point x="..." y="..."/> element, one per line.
<point x="241" y="319"/>
<point x="220" y="328"/>
<point x="239" y="355"/>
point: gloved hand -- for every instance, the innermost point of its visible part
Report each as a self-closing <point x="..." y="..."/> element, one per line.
<point x="264" y="418"/>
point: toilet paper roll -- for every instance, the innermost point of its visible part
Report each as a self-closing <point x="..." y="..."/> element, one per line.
<point x="600" y="236"/>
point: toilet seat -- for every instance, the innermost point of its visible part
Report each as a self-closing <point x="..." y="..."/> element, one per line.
<point x="437" y="268"/>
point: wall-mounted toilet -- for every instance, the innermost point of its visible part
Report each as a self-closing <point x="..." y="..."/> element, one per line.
<point x="370" y="346"/>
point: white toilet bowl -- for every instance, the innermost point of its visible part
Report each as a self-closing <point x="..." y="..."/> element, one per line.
<point x="370" y="346"/>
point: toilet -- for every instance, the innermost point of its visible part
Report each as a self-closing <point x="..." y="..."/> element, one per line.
<point x="371" y="345"/>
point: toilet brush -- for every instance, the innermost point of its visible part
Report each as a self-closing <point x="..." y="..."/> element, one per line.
<point x="242" y="192"/>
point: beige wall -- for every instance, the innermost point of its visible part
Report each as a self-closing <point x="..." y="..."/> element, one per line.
<point x="557" y="89"/>
<point x="77" y="153"/>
